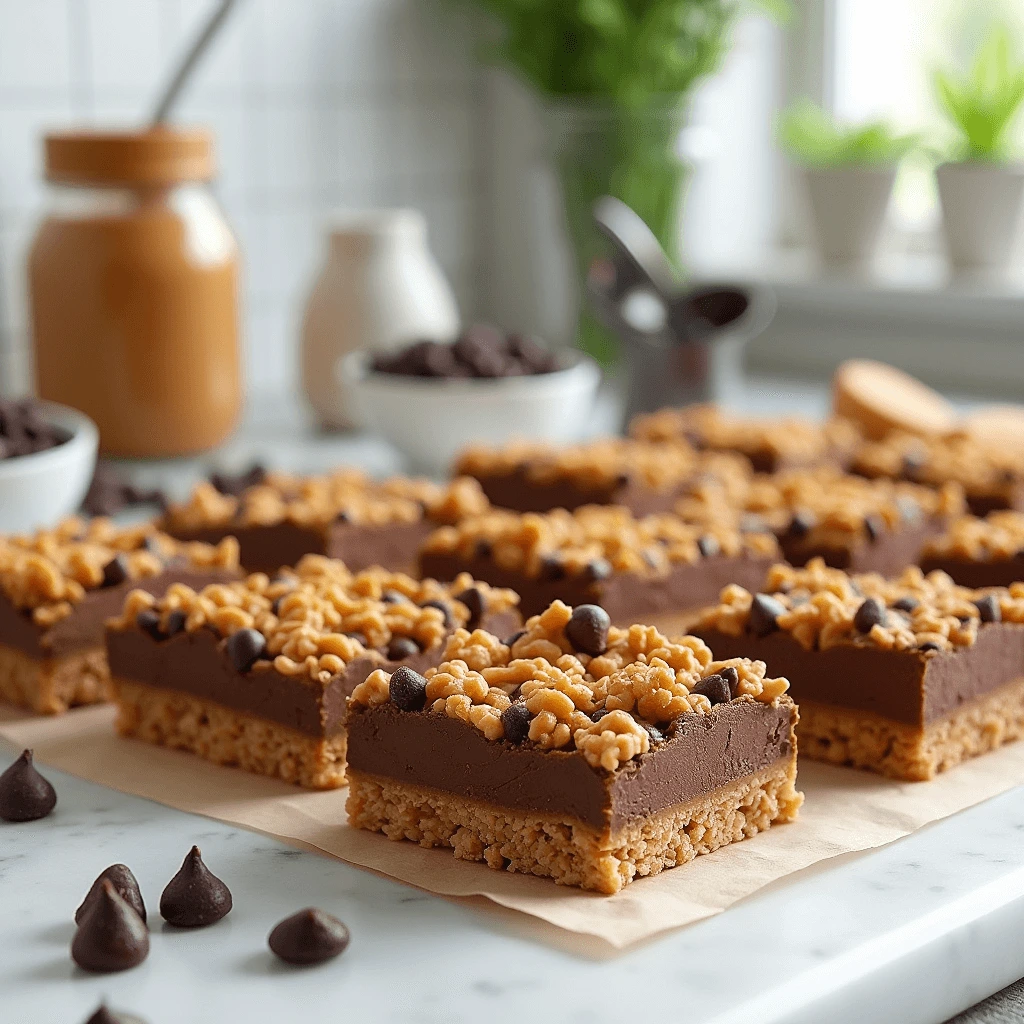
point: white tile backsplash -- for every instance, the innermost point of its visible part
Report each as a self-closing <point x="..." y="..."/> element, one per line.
<point x="315" y="104"/>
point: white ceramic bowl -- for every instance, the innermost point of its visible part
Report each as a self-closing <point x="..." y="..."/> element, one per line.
<point x="432" y="420"/>
<point x="38" y="490"/>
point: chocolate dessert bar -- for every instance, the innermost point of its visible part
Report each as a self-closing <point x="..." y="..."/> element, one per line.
<point x="645" y="478"/>
<point x="852" y="523"/>
<point x="347" y="516"/>
<point x="771" y="445"/>
<point x="581" y="752"/>
<point x="992" y="477"/>
<point x="57" y="587"/>
<point x="979" y="552"/>
<point x="650" y="570"/>
<point x="906" y="678"/>
<point x="255" y="673"/>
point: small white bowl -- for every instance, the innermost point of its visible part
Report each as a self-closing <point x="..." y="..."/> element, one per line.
<point x="431" y="420"/>
<point x="40" y="489"/>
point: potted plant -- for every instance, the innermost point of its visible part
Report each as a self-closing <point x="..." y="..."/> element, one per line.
<point x="614" y="77"/>
<point x="849" y="172"/>
<point x="981" y="187"/>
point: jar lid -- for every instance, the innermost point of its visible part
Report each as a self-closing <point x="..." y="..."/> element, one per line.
<point x="158" y="156"/>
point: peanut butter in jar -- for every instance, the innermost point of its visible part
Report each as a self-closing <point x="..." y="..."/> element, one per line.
<point x="133" y="280"/>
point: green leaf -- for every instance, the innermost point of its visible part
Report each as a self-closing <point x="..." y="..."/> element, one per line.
<point x="812" y="137"/>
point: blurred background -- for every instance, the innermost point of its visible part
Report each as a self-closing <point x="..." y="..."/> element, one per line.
<point x="329" y="104"/>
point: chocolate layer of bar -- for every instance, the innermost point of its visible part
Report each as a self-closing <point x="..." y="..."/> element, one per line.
<point x="993" y="573"/>
<point x="905" y="686"/>
<point x="704" y="752"/>
<point x="888" y="554"/>
<point x="626" y="597"/>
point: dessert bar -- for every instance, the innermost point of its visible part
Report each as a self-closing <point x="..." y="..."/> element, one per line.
<point x="992" y="476"/>
<point x="639" y="570"/>
<point x="581" y="752"/>
<point x="771" y="445"/>
<point x="57" y="587"/>
<point x="347" y="516"/>
<point x="643" y="477"/>
<point x="255" y="673"/>
<point x="906" y="678"/>
<point x="976" y="552"/>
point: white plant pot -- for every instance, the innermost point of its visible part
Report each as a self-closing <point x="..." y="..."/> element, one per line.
<point x="379" y="289"/>
<point x="981" y="206"/>
<point x="848" y="207"/>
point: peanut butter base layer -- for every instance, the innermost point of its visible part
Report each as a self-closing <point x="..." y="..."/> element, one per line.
<point x="219" y="734"/>
<point x="50" y="686"/>
<point x="572" y="853"/>
<point x="859" y="739"/>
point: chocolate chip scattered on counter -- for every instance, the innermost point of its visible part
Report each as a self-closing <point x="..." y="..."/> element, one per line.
<point x="195" y="897"/>
<point x="125" y="885"/>
<point x="597" y="569"/>
<point x="801" y="524"/>
<point x="871" y="613"/>
<point x="708" y="546"/>
<point x="402" y="647"/>
<point x="115" y="571"/>
<point x="514" y="637"/>
<point x="104" y="1015"/>
<point x="906" y="604"/>
<point x="516" y="720"/>
<point x="408" y="689"/>
<point x="715" y="687"/>
<point x="874" y="527"/>
<point x="233" y="484"/>
<point x="149" y="622"/>
<point x="24" y="429"/>
<point x="480" y="351"/>
<point x="448" y="620"/>
<point x="587" y="629"/>
<point x="764" y="614"/>
<point x="245" y="647"/>
<point x="112" y="936"/>
<point x="732" y="677"/>
<point x="988" y="608"/>
<point x="24" y="794"/>
<point x="474" y="601"/>
<point x="309" y="937"/>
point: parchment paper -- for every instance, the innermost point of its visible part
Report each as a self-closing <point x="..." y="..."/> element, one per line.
<point x="845" y="811"/>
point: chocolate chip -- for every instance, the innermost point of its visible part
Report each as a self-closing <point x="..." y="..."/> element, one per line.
<point x="115" y="571"/>
<point x="194" y="897"/>
<point x="175" y="622"/>
<point x="874" y="527"/>
<point x="483" y="549"/>
<point x="245" y="647"/>
<point x="597" y="569"/>
<point x="24" y="794"/>
<point x="913" y="463"/>
<point x="514" y="637"/>
<point x="111" y="937"/>
<point x="402" y="647"/>
<point x="732" y="677"/>
<point x="596" y="716"/>
<point x="870" y="613"/>
<point x="474" y="601"/>
<point x="308" y="937"/>
<point x="764" y="614"/>
<point x="125" y="884"/>
<point x="587" y="629"/>
<point x="341" y="516"/>
<point x="551" y="568"/>
<point x="988" y="608"/>
<point x="235" y="484"/>
<point x="708" y="546"/>
<point x="358" y="637"/>
<point x="906" y="604"/>
<point x="152" y="545"/>
<point x="800" y="525"/>
<point x="149" y="622"/>
<point x="715" y="687"/>
<point x="621" y="480"/>
<point x="103" y="1015"/>
<point x="448" y="620"/>
<point x="393" y="597"/>
<point x="516" y="720"/>
<point x="929" y="646"/>
<point x="408" y="689"/>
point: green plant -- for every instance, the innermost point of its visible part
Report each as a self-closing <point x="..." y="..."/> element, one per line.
<point x="982" y="104"/>
<point x="812" y="137"/>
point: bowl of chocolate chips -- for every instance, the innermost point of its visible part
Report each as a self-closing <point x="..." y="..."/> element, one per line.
<point x="431" y="399"/>
<point x="47" y="457"/>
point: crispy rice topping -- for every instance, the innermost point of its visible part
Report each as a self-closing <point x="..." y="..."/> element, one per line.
<point x="996" y="538"/>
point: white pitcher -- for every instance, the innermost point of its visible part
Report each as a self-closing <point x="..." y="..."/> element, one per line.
<point x="379" y="289"/>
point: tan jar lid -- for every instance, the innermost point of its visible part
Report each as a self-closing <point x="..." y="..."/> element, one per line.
<point x="154" y="157"/>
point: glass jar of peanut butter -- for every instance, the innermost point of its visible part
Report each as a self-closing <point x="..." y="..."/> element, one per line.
<point x="133" y="280"/>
